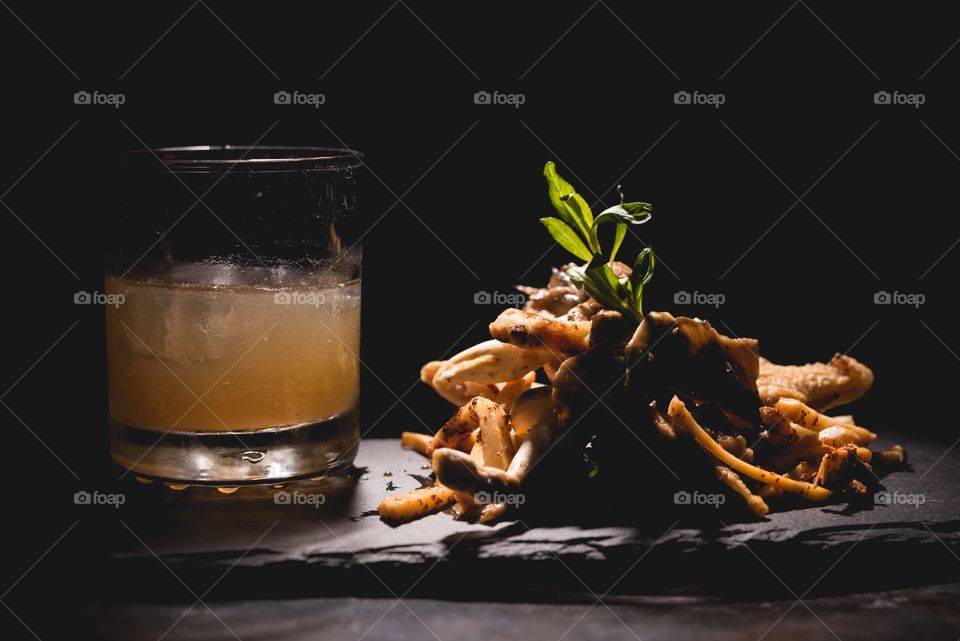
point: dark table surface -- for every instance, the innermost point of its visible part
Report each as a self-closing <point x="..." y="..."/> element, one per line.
<point x="929" y="613"/>
<point x="198" y="564"/>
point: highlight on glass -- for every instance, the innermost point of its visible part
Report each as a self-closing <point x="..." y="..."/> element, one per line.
<point x="233" y="346"/>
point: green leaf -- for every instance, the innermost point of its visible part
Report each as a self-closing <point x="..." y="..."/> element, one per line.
<point x="617" y="240"/>
<point x="605" y="281"/>
<point x="566" y="238"/>
<point x="580" y="210"/>
<point x="575" y="272"/>
<point x="627" y="213"/>
<point x="641" y="276"/>
<point x="577" y="230"/>
<point x="638" y="208"/>
<point x="557" y="188"/>
<point x="571" y="208"/>
<point x="600" y="295"/>
<point x="580" y="207"/>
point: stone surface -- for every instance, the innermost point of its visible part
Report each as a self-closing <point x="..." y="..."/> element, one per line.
<point x="304" y="548"/>
<point x="925" y="613"/>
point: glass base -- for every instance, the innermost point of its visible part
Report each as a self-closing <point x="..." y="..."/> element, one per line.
<point x="237" y="458"/>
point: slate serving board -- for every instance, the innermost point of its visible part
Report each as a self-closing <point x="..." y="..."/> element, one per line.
<point x="918" y="613"/>
<point x="252" y="547"/>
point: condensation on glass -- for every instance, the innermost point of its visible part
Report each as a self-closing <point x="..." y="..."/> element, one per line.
<point x="233" y="344"/>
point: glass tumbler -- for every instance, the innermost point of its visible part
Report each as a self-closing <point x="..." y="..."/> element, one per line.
<point x="233" y="329"/>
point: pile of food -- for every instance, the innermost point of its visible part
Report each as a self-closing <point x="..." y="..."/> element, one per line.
<point x="699" y="408"/>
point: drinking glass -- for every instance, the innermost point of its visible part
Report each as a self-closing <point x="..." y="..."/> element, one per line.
<point x="233" y="316"/>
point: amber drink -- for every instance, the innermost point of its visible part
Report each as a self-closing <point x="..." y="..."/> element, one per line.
<point x="228" y="365"/>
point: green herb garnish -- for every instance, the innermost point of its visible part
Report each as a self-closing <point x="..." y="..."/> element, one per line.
<point x="576" y="230"/>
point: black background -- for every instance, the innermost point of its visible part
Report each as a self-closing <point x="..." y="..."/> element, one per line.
<point x="599" y="82"/>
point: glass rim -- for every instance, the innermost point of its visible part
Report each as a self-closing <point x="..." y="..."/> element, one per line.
<point x="252" y="158"/>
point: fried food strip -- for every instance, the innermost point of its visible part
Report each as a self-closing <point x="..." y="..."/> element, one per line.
<point x="494" y="437"/>
<point x="536" y="444"/>
<point x="812" y="445"/>
<point x="532" y="407"/>
<point x="476" y="453"/>
<point x="494" y="448"/>
<point x="806" y="416"/>
<point x="428" y="371"/>
<point x="805" y="446"/>
<point x="893" y="457"/>
<point x="819" y="385"/>
<point x="550" y="369"/>
<point x="679" y="413"/>
<point x="482" y="428"/>
<point x="838" y="462"/>
<point x="513" y="389"/>
<point x="492" y="512"/>
<point x="415" y="503"/>
<point x="804" y="471"/>
<point x="459" y="393"/>
<point x="489" y="362"/>
<point x="459" y="471"/>
<point x="531" y="330"/>
<point x="661" y="424"/>
<point x="459" y="432"/>
<point x="732" y="480"/>
<point x="558" y="297"/>
<point x="838" y="436"/>
<point x="416" y="441"/>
